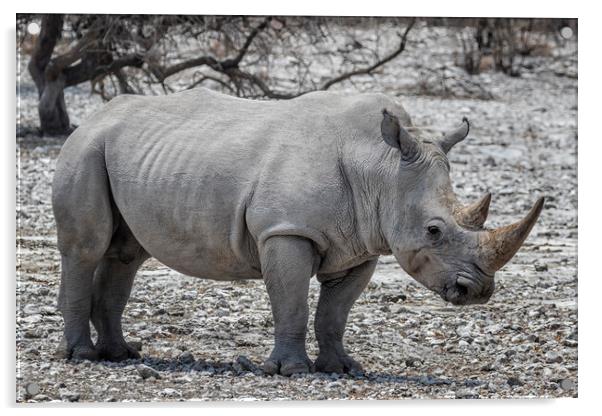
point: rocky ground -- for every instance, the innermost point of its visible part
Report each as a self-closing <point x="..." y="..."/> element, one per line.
<point x="205" y="340"/>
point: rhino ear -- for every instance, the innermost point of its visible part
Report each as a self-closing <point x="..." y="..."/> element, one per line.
<point x="450" y="139"/>
<point x="396" y="136"/>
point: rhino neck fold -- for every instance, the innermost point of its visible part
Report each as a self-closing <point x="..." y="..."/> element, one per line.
<point x="364" y="190"/>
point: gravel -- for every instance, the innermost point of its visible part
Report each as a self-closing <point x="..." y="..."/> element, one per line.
<point x="206" y="340"/>
<point x="147" y="372"/>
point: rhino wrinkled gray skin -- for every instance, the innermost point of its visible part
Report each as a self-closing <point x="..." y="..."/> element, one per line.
<point x="226" y="188"/>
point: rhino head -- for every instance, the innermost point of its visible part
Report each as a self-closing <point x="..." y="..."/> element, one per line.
<point x="435" y="239"/>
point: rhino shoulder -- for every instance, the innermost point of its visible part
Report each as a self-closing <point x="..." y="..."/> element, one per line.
<point x="354" y="108"/>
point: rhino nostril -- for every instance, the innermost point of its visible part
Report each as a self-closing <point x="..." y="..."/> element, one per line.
<point x="465" y="285"/>
<point x="461" y="289"/>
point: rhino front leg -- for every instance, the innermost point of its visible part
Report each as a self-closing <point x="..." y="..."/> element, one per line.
<point x="337" y="296"/>
<point x="287" y="265"/>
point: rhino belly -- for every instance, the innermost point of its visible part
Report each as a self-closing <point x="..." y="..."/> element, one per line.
<point x="188" y="213"/>
<point x="199" y="245"/>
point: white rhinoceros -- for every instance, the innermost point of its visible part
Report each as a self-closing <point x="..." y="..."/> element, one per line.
<point x="227" y="188"/>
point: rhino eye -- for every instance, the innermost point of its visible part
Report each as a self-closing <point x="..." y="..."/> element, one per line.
<point x="434" y="232"/>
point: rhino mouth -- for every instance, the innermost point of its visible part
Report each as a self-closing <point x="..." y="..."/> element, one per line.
<point x="455" y="293"/>
<point x="468" y="288"/>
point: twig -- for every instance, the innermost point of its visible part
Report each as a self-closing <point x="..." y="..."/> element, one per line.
<point x="369" y="69"/>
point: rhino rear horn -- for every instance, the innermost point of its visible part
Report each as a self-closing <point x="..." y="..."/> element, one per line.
<point x="475" y="214"/>
<point x="398" y="137"/>
<point x="450" y="139"/>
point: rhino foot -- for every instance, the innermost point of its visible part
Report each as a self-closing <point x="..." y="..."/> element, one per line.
<point x="287" y="365"/>
<point x="117" y="351"/>
<point x="337" y="363"/>
<point x="76" y="352"/>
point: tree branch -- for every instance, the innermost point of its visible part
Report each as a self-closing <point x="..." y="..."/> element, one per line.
<point x="163" y="73"/>
<point x="369" y="69"/>
<point x="231" y="63"/>
<point x="235" y="73"/>
<point x="219" y="66"/>
<point x="73" y="55"/>
<point x="210" y="78"/>
<point x="86" y="70"/>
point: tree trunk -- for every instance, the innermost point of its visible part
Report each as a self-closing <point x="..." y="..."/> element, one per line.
<point x="52" y="109"/>
<point x="50" y="85"/>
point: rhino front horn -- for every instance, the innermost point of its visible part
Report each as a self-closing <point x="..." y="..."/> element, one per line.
<point x="450" y="139"/>
<point x="499" y="246"/>
<point x="475" y="214"/>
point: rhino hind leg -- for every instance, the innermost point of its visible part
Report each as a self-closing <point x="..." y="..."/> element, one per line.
<point x="337" y="296"/>
<point x="287" y="265"/>
<point x="74" y="303"/>
<point x="113" y="282"/>
<point x="84" y="220"/>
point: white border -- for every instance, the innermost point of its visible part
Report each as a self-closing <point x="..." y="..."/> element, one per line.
<point x="589" y="191"/>
<point x="457" y="8"/>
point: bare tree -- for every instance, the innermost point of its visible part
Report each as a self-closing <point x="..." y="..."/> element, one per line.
<point x="87" y="59"/>
<point x="503" y="44"/>
<point x="134" y="54"/>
